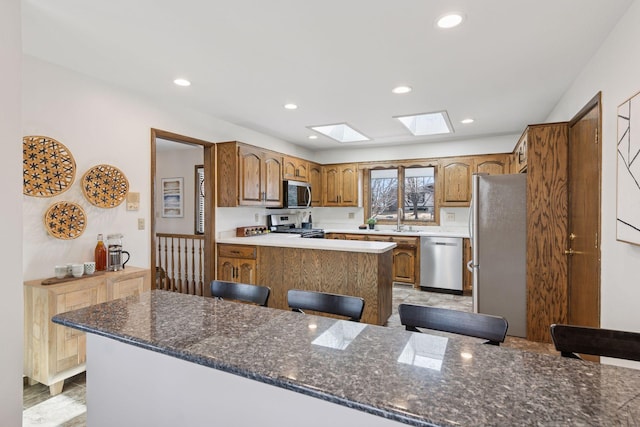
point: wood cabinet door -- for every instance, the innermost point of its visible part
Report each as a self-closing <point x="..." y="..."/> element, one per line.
<point x="127" y="287"/>
<point x="404" y="261"/>
<point x="70" y="349"/>
<point x="289" y="166"/>
<point x="246" y="271"/>
<point x="302" y="170"/>
<point x="330" y="186"/>
<point x="226" y="269"/>
<point x="315" y="179"/>
<point x="250" y="176"/>
<point x="494" y="165"/>
<point x="272" y="181"/>
<point x="348" y="185"/>
<point x="456" y="182"/>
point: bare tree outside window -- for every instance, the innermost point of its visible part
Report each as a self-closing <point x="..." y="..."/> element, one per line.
<point x="384" y="193"/>
<point x="418" y="198"/>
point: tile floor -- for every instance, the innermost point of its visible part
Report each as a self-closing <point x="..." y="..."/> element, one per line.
<point x="68" y="409"/>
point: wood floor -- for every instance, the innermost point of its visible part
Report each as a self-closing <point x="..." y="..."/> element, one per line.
<point x="68" y="409"/>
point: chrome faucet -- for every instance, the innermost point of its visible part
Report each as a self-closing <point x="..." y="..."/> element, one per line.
<point x="400" y="215"/>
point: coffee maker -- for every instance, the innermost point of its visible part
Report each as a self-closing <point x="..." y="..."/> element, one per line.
<point x="115" y="254"/>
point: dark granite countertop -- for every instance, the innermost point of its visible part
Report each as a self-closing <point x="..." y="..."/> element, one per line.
<point x="417" y="379"/>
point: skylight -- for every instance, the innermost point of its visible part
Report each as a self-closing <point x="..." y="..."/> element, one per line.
<point x="340" y="132"/>
<point x="434" y="123"/>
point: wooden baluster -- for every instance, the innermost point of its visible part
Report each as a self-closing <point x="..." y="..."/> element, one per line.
<point x="179" y="287"/>
<point x="193" y="267"/>
<point x="173" y="278"/>
<point x="200" y="268"/>
<point x="166" y="266"/>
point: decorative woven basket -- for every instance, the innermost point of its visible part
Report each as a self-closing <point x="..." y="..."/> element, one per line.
<point x="48" y="168"/>
<point x="65" y="220"/>
<point x="105" y="186"/>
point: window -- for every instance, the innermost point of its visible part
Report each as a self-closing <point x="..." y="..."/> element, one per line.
<point x="199" y="198"/>
<point x="415" y="195"/>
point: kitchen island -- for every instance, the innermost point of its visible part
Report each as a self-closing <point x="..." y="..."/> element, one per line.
<point x="168" y="359"/>
<point x="283" y="262"/>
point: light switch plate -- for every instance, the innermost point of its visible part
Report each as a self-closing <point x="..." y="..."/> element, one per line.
<point x="451" y="217"/>
<point x="140" y="223"/>
<point x="352" y="215"/>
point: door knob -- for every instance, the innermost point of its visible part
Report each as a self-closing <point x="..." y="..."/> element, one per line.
<point x="572" y="236"/>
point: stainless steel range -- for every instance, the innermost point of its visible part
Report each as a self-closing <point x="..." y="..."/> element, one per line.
<point x="285" y="223"/>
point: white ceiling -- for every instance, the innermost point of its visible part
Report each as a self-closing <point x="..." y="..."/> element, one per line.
<point x="506" y="66"/>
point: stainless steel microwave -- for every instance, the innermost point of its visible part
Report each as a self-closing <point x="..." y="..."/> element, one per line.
<point x="297" y="195"/>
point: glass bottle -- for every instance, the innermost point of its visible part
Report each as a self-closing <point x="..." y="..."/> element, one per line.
<point x="100" y="255"/>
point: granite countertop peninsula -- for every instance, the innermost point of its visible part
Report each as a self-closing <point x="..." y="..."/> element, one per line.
<point x="416" y="379"/>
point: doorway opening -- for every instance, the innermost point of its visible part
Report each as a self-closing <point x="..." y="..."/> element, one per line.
<point x="182" y="213"/>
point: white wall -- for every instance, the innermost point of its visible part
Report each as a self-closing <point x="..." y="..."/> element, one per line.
<point x="11" y="224"/>
<point x="100" y="123"/>
<point x="614" y="70"/>
<point x="178" y="163"/>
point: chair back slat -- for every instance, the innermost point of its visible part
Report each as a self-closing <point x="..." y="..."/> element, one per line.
<point x="571" y="340"/>
<point x="485" y="326"/>
<point x="245" y="292"/>
<point x="341" y="305"/>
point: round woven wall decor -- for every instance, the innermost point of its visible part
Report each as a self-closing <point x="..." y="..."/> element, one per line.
<point x="65" y="220"/>
<point x="48" y="168"/>
<point x="105" y="186"/>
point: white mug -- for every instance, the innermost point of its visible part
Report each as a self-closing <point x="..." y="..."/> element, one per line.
<point x="61" y="271"/>
<point x="89" y="267"/>
<point x="77" y="270"/>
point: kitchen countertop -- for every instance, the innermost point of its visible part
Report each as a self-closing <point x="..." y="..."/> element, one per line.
<point x="417" y="379"/>
<point x="295" y="241"/>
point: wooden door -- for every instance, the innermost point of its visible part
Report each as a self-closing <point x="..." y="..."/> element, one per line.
<point x="584" y="217"/>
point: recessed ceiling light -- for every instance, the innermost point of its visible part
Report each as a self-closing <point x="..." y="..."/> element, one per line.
<point x="182" y="82"/>
<point x="290" y="106"/>
<point x="340" y="132"/>
<point x="450" y="20"/>
<point x="313" y="136"/>
<point x="466" y="121"/>
<point x="401" y="89"/>
<point x="434" y="123"/>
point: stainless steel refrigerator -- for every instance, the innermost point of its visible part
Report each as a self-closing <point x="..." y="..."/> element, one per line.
<point x="498" y="231"/>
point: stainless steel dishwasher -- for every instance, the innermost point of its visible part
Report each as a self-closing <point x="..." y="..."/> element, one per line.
<point x="441" y="263"/>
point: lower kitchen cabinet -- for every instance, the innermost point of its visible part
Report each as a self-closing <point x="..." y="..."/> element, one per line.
<point x="53" y="352"/>
<point x="406" y="255"/>
<point x="237" y="263"/>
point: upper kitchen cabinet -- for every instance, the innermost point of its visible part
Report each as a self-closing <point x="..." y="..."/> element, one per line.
<point x="495" y="164"/>
<point x="519" y="156"/>
<point x="248" y="176"/>
<point x="295" y="169"/>
<point x="340" y="185"/>
<point x="455" y="175"/>
<point x="315" y="179"/>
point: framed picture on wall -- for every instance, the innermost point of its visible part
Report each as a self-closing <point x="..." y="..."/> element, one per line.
<point x="172" y="197"/>
<point x="628" y="186"/>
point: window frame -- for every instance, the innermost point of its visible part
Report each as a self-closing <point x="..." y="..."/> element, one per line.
<point x="401" y="167"/>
